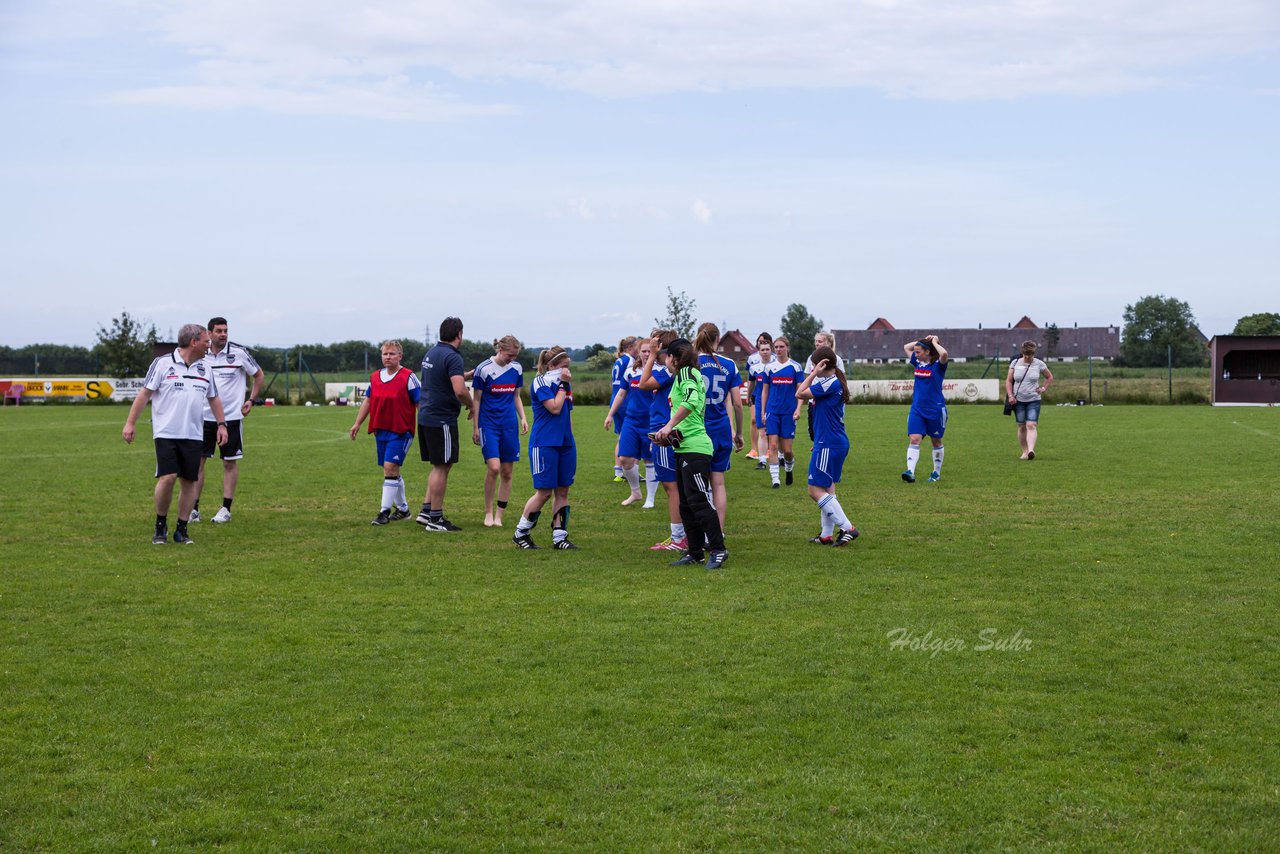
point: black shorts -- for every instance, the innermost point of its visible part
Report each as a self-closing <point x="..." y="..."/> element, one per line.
<point x="438" y="445"/>
<point x="233" y="450"/>
<point x="178" y="456"/>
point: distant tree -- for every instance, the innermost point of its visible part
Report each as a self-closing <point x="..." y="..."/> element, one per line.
<point x="124" y="349"/>
<point x="1155" y="323"/>
<point x="1052" y="336"/>
<point x="601" y="360"/>
<point x="680" y="317"/>
<point x="799" y="327"/>
<point x="1265" y="323"/>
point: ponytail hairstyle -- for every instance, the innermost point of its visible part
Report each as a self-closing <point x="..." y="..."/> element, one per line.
<point x="684" y="357"/>
<point x="507" y="342"/>
<point x="624" y="345"/>
<point x="825" y="352"/>
<point x="549" y="357"/>
<point x="707" y="338"/>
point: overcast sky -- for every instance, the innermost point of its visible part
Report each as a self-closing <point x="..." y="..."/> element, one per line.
<point x="319" y="170"/>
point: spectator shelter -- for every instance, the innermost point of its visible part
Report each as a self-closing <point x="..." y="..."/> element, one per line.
<point x="882" y="342"/>
<point x="1246" y="370"/>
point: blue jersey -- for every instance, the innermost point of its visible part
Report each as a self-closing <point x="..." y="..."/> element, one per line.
<point x="720" y="377"/>
<point x="499" y="386"/>
<point x="660" y="411"/>
<point x="550" y="431"/>
<point x="828" y="412"/>
<point x="926" y="397"/>
<point x="782" y="379"/>
<point x="439" y="405"/>
<point x="638" y="401"/>
<point x="620" y="366"/>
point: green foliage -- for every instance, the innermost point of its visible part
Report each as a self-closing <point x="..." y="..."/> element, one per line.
<point x="301" y="680"/>
<point x="47" y="359"/>
<point x="125" y="348"/>
<point x="1263" y="323"/>
<point x="1052" y="337"/>
<point x="1154" y="324"/>
<point x="680" y="314"/>
<point x="799" y="327"/>
<point x="601" y="360"/>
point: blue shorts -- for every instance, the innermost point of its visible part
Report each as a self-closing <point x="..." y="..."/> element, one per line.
<point x="825" y="464"/>
<point x="501" y="441"/>
<point x="553" y="467"/>
<point x="664" y="463"/>
<point x="759" y="414"/>
<point x="782" y="426"/>
<point x="722" y="446"/>
<point x="392" y="447"/>
<point x="1024" y="412"/>
<point x="634" y="442"/>
<point x="919" y="425"/>
<point x="619" y="418"/>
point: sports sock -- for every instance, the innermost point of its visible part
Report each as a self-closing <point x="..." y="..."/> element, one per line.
<point x="913" y="457"/>
<point x="226" y="502"/>
<point x="937" y="458"/>
<point x="502" y="505"/>
<point x="390" y="488"/>
<point x="524" y="526"/>
<point x="195" y="506"/>
<point x="830" y="506"/>
<point x="426" y="508"/>
<point x="162" y="520"/>
<point x="789" y="463"/>
<point x="632" y="476"/>
<point x="560" y="525"/>
<point x="677" y="531"/>
<point x="650" y="483"/>
<point x="401" y="500"/>
<point x="828" y="526"/>
<point x="773" y="471"/>
<point x="617" y="471"/>
<point x="182" y="526"/>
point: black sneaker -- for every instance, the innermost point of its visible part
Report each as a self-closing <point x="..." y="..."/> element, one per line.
<point x="383" y="518"/>
<point x="761" y="466"/>
<point x="687" y="559"/>
<point x="564" y="544"/>
<point x="847" y="537"/>
<point x="422" y="518"/>
<point x="524" y="541"/>
<point x="791" y="477"/>
<point x="716" y="559"/>
<point x="161" y="537"/>
<point x="908" y="476"/>
<point x="398" y="515"/>
<point x="446" y="525"/>
<point x="821" y="540"/>
<point x="180" y="537"/>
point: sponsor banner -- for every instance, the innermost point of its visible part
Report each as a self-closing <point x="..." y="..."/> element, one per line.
<point x="353" y="392"/>
<point x="968" y="390"/>
<point x="65" y="388"/>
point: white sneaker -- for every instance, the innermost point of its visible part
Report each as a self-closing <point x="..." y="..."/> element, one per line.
<point x="224" y="515"/>
<point x="195" y="514"/>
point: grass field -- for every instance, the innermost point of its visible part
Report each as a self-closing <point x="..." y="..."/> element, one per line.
<point x="1082" y="652"/>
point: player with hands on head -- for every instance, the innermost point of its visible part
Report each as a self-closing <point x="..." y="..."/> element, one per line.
<point x="828" y="389"/>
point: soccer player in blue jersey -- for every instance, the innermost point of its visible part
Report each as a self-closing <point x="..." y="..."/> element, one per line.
<point x="659" y="379"/>
<point x="628" y="351"/>
<point x="928" y="416"/>
<point x="720" y="376"/>
<point x="781" y="409"/>
<point x="500" y="422"/>
<point x="391" y="405"/>
<point x="827" y="387"/>
<point x="553" y="455"/>
<point x="633" y="441"/>
<point x="757" y="367"/>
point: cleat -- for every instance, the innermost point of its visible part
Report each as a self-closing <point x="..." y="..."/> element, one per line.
<point x="761" y="466"/>
<point x="524" y="541"/>
<point x="935" y="476"/>
<point x="398" y="515"/>
<point x="679" y="545"/>
<point x="563" y="545"/>
<point x="1031" y="455"/>
<point x="716" y="559"/>
<point x="791" y="477"/>
<point x="617" y="478"/>
<point x="909" y="476"/>
<point x="223" y="515"/>
<point x="441" y="524"/>
<point x="161" y="536"/>
<point x="777" y="485"/>
<point x="752" y="455"/>
<point x="846" y="537"/>
<point x="180" y="537"/>
<point x="687" y="559"/>
<point x="383" y="518"/>
<point x="422" y="518"/>
<point x="661" y="546"/>
<point x="195" y="517"/>
<point x="821" y="540"/>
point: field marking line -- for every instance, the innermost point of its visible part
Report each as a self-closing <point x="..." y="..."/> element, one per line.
<point x="1254" y="430"/>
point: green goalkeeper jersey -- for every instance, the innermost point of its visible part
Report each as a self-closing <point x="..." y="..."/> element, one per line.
<point x="689" y="392"/>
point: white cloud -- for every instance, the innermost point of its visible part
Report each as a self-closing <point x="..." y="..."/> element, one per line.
<point x="580" y="209"/>
<point x="393" y="58"/>
<point x="701" y="212"/>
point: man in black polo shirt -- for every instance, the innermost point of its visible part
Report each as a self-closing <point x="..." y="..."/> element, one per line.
<point x="444" y="392"/>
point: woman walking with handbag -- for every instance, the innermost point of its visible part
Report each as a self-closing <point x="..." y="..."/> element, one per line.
<point x="1027" y="380"/>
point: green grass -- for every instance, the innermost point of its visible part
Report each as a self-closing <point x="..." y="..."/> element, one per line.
<point x="302" y="680"/>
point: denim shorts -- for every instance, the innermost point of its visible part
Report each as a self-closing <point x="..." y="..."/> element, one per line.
<point x="1024" y="412"/>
